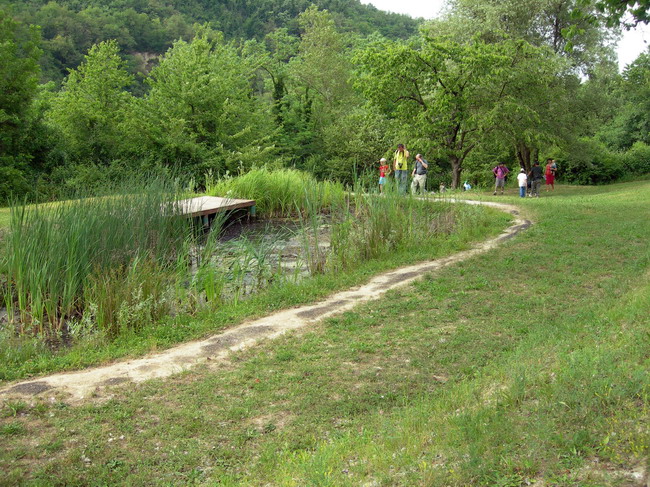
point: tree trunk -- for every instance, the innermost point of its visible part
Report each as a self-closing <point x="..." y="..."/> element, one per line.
<point x="456" y="168"/>
<point x="523" y="156"/>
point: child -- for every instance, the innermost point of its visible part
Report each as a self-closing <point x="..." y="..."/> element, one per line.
<point x="383" y="170"/>
<point x="522" y="179"/>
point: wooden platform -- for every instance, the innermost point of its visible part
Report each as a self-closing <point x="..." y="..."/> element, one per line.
<point x="210" y="205"/>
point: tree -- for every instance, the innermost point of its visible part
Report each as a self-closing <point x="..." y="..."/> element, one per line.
<point x="311" y="89"/>
<point x="201" y="112"/>
<point x="629" y="122"/>
<point x="19" y="54"/>
<point x="546" y="107"/>
<point x="321" y="64"/>
<point x="616" y="11"/>
<point x="538" y="22"/>
<point x="281" y="47"/>
<point x="320" y="81"/>
<point x="636" y="93"/>
<point x="91" y="108"/>
<point x="532" y="111"/>
<point x="443" y="92"/>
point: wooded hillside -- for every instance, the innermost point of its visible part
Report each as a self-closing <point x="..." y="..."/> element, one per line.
<point x="144" y="28"/>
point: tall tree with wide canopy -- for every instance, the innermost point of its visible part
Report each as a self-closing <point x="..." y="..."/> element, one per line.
<point x="446" y="94"/>
<point x="549" y="86"/>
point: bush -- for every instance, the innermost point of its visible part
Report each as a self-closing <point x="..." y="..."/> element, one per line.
<point x="637" y="159"/>
<point x="13" y="180"/>
<point x="591" y="162"/>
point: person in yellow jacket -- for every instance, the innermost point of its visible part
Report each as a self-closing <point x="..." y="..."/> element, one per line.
<point x="400" y="165"/>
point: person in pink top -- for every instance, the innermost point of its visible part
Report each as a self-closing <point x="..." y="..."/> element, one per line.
<point x="549" y="173"/>
<point x="500" y="173"/>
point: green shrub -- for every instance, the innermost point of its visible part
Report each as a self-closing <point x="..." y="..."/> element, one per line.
<point x="637" y="159"/>
<point x="590" y="162"/>
<point x="13" y="179"/>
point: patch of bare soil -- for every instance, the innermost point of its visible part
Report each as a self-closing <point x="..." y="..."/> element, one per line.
<point x="216" y="349"/>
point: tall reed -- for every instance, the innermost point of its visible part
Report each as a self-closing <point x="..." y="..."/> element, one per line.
<point x="53" y="252"/>
<point x="280" y="192"/>
<point x="311" y="223"/>
<point x="372" y="226"/>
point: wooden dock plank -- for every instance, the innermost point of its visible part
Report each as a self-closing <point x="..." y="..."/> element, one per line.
<point x="209" y="205"/>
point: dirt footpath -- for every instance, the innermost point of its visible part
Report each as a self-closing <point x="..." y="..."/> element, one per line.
<point x="95" y="381"/>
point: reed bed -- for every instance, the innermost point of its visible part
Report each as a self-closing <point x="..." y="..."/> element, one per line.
<point x="112" y="265"/>
<point x="60" y="258"/>
<point x="281" y="193"/>
<point x="372" y="226"/>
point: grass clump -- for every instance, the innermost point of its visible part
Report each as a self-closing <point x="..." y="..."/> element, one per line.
<point x="280" y="192"/>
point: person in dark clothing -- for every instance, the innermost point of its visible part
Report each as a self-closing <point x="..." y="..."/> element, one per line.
<point x="419" y="174"/>
<point x="536" y="176"/>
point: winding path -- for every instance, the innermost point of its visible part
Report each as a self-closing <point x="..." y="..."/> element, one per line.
<point x="91" y="382"/>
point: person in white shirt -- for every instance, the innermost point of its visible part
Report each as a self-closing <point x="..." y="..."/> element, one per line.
<point x="522" y="179"/>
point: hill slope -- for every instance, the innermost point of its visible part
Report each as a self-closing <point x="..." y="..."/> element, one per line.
<point x="70" y="27"/>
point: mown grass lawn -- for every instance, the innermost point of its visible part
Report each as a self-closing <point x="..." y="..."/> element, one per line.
<point x="527" y="365"/>
<point x="5" y="217"/>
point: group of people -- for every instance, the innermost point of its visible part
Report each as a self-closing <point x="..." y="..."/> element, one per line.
<point x="529" y="183"/>
<point x="400" y="166"/>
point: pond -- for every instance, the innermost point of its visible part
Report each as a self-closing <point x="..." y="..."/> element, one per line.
<point x="249" y="254"/>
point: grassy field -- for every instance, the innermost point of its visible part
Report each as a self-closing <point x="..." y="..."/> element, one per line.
<point x="524" y="366"/>
<point x="5" y="217"/>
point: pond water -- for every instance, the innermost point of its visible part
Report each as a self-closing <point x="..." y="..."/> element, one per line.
<point x="249" y="255"/>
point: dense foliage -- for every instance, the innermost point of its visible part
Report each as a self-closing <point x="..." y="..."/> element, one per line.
<point x="630" y="12"/>
<point x="204" y="89"/>
<point x="144" y="28"/>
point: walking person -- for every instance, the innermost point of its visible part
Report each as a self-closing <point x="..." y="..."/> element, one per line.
<point x="536" y="175"/>
<point x="500" y="173"/>
<point x="549" y="173"/>
<point x="400" y="165"/>
<point x="522" y="180"/>
<point x="383" y="172"/>
<point x="419" y="175"/>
